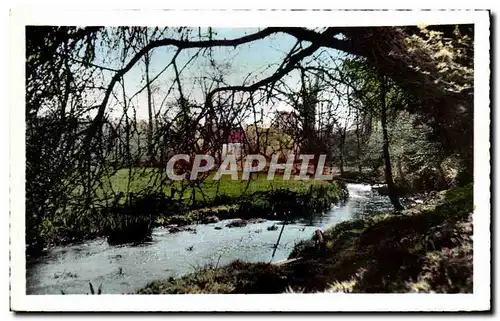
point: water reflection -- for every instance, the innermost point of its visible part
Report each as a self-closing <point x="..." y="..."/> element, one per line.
<point x="363" y="200"/>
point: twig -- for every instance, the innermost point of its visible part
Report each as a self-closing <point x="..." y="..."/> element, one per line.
<point x="279" y="237"/>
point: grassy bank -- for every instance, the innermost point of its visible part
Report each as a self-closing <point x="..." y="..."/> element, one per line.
<point x="205" y="191"/>
<point x="427" y="248"/>
<point x="130" y="218"/>
<point x="296" y="202"/>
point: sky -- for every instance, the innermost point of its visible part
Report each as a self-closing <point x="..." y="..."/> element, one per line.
<point x="259" y="58"/>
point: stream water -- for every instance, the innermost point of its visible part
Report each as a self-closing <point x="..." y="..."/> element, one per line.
<point x="125" y="269"/>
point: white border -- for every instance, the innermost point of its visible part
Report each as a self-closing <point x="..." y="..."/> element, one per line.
<point x="35" y="15"/>
<point x="479" y="300"/>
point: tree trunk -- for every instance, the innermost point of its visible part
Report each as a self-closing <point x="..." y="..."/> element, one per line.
<point x="443" y="182"/>
<point x="342" y="142"/>
<point x="385" y="149"/>
<point x="358" y="147"/>
<point x="150" y="112"/>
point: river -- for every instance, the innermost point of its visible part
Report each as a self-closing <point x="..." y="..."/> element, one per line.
<point x="125" y="269"/>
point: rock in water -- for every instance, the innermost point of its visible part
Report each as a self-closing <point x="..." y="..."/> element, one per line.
<point x="210" y="219"/>
<point x="174" y="229"/>
<point x="237" y="223"/>
<point x="273" y="227"/>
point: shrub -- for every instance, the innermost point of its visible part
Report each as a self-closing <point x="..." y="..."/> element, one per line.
<point x="133" y="222"/>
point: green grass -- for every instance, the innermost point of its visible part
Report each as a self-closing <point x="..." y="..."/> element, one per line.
<point x="237" y="277"/>
<point x="297" y="202"/>
<point x="208" y="189"/>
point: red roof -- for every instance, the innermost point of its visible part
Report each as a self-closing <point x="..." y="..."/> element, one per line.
<point x="236" y="135"/>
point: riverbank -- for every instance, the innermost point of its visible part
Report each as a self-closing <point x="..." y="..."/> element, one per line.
<point x="133" y="221"/>
<point x="426" y="248"/>
<point x="299" y="202"/>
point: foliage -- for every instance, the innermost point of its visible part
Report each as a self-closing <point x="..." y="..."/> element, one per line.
<point x="133" y="221"/>
<point x="451" y="57"/>
<point x="268" y="141"/>
<point x="446" y="55"/>
<point x="419" y="163"/>
<point x="420" y="160"/>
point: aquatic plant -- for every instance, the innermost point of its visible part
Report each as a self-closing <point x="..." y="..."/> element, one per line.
<point x="133" y="221"/>
<point x="92" y="291"/>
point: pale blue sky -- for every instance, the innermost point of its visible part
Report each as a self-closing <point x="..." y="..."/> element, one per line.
<point x="260" y="57"/>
